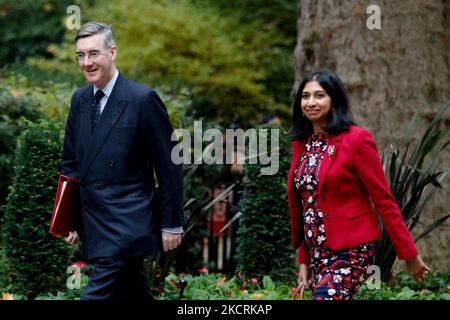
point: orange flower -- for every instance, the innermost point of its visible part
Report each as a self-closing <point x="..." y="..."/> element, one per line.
<point x="257" y="296"/>
<point x="7" y="296"/>
<point x="221" y="281"/>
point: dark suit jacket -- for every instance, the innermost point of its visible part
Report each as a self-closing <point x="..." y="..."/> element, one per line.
<point x="116" y="165"/>
<point x="351" y="181"/>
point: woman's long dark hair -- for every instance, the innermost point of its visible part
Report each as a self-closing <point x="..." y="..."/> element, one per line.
<point x="340" y="117"/>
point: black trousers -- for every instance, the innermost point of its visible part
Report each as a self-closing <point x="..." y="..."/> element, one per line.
<point x="118" y="279"/>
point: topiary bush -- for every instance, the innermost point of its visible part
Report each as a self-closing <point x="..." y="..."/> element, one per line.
<point x="32" y="260"/>
<point x="264" y="237"/>
<point x="12" y="107"/>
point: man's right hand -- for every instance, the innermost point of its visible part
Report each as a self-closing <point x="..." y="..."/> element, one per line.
<point x="72" y="238"/>
<point x="170" y="240"/>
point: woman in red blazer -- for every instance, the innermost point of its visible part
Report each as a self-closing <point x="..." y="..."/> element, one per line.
<point x="335" y="181"/>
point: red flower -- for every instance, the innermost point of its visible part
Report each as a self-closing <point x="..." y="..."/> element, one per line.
<point x="241" y="289"/>
<point x="203" y="270"/>
<point x="80" y="264"/>
<point x="254" y="280"/>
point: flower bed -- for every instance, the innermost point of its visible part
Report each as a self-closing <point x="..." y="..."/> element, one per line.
<point x="209" y="286"/>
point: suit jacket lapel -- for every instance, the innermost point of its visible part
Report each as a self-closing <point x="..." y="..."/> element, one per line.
<point x="327" y="161"/>
<point x="85" y="121"/>
<point x="117" y="102"/>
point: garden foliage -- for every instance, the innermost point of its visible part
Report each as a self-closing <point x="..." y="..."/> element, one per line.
<point x="29" y="26"/>
<point x="264" y="235"/>
<point x="174" y="44"/>
<point x="413" y="175"/>
<point x="32" y="260"/>
<point x="13" y="105"/>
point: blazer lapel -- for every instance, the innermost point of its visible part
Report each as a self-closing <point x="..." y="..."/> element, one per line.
<point x="327" y="161"/>
<point x="117" y="102"/>
<point x="85" y="121"/>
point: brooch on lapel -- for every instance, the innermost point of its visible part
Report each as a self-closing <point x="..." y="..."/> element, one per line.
<point x="330" y="151"/>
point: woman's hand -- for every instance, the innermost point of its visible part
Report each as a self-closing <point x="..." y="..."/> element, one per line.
<point x="304" y="275"/>
<point x="417" y="268"/>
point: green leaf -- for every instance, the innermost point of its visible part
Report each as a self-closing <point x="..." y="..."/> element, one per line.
<point x="268" y="283"/>
<point x="431" y="227"/>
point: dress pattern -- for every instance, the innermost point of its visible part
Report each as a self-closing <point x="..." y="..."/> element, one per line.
<point x="336" y="275"/>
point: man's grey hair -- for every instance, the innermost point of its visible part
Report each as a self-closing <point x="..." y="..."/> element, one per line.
<point x="93" y="28"/>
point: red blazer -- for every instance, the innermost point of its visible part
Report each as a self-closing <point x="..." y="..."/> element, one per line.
<point x="351" y="182"/>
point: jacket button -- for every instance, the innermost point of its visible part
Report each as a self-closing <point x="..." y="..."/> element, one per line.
<point x="323" y="199"/>
<point x="111" y="163"/>
<point x="326" y="215"/>
<point x="101" y="187"/>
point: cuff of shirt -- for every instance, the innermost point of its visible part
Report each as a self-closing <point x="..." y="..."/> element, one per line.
<point x="173" y="230"/>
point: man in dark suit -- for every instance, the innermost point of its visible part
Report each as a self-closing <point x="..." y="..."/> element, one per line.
<point x="117" y="137"/>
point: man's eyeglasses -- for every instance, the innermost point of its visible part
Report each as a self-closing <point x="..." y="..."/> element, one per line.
<point x="91" y="55"/>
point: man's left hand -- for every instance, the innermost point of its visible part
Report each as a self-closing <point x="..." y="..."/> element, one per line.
<point x="170" y="240"/>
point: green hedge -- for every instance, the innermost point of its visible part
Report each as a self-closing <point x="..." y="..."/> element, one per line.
<point x="264" y="236"/>
<point x="12" y="107"/>
<point x="32" y="260"/>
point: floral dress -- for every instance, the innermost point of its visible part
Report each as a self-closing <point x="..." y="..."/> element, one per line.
<point x="336" y="275"/>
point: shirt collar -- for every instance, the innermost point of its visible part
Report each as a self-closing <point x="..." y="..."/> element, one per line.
<point x="109" y="87"/>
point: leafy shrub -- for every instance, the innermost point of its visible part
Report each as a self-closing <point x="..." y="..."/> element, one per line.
<point x="74" y="293"/>
<point x="414" y="179"/>
<point x="264" y="238"/>
<point x="13" y="105"/>
<point x="277" y="21"/>
<point x="32" y="260"/>
<point x="208" y="286"/>
<point x="175" y="44"/>
<point x="28" y="26"/>
<point x="434" y="287"/>
<point x="279" y="15"/>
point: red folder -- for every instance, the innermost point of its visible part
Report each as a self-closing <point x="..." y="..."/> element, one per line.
<point x="66" y="212"/>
